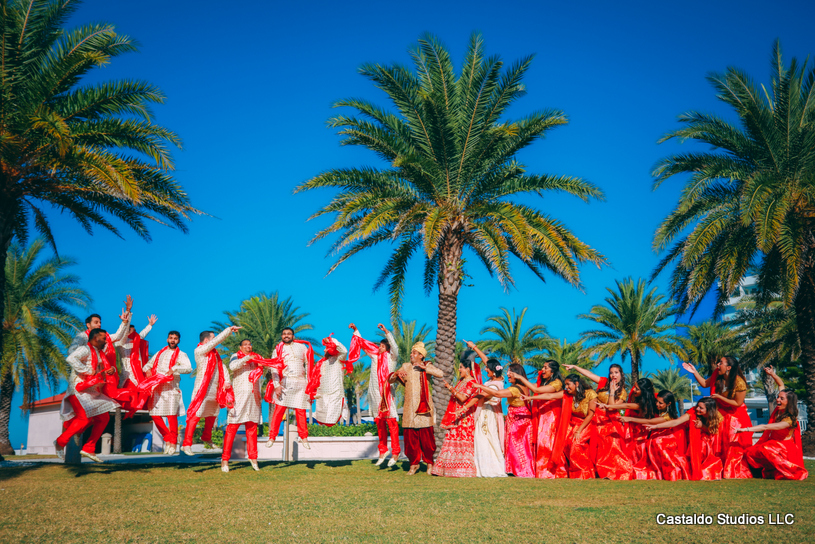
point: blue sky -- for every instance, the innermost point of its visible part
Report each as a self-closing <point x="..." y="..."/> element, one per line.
<point x="249" y="89"/>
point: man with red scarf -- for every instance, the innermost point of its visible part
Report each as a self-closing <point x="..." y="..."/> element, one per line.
<point x="381" y="402"/>
<point x="419" y="415"/>
<point x="330" y="392"/>
<point x="211" y="385"/>
<point x="162" y="378"/>
<point x="88" y="404"/>
<point x="94" y="321"/>
<point x="125" y="348"/>
<point x="290" y="385"/>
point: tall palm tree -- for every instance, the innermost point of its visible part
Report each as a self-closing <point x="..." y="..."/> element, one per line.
<point x="750" y="201"/>
<point x="90" y="150"/>
<point x="263" y="318"/>
<point x="708" y="341"/>
<point x="454" y="183"/>
<point x="633" y="322"/>
<point x="513" y="344"/>
<point x="39" y="325"/>
<point x="673" y="381"/>
<point x="568" y="353"/>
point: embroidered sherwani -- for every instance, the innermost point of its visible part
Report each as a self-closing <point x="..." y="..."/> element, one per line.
<point x="167" y="400"/>
<point x="124" y="348"/>
<point x="374" y="387"/>
<point x="294" y="379"/>
<point x="93" y="401"/>
<point x="331" y="393"/>
<point x="413" y="391"/>
<point x="247" y="394"/>
<point x="209" y="407"/>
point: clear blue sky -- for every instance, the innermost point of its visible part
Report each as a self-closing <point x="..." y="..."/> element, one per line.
<point x="249" y="88"/>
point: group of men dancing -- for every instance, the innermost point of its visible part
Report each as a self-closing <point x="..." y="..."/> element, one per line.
<point x="95" y="388"/>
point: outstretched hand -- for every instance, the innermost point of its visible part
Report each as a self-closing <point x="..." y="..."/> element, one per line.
<point x="381" y="327"/>
<point x="689" y="367"/>
<point x="235" y="328"/>
<point x="152" y="320"/>
<point x="769" y="370"/>
<point x="569" y="367"/>
<point x="125" y="315"/>
<point x="352" y="326"/>
<point x="470" y="344"/>
<point x="129" y="302"/>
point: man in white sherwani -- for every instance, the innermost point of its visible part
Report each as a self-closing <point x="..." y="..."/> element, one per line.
<point x="86" y="403"/>
<point x="163" y="376"/>
<point x="247" y="409"/>
<point x="211" y="379"/>
<point x="124" y="348"/>
<point x="94" y="321"/>
<point x="331" y="393"/>
<point x="385" y="356"/>
<point x="290" y="388"/>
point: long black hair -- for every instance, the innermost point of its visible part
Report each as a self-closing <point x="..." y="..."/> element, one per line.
<point x="647" y="400"/>
<point x="580" y="392"/>
<point x="619" y="392"/>
<point x="554" y="366"/>
<point x="726" y="386"/>
<point x="669" y="399"/>
<point x="792" y="407"/>
<point x="493" y="365"/>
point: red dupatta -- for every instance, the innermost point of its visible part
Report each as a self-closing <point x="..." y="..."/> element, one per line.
<point x="359" y="344"/>
<point x="449" y="419"/>
<point x="262" y="363"/>
<point x="138" y="355"/>
<point x="795" y="453"/>
<point x="562" y="430"/>
<point x="695" y="446"/>
<point x="225" y="395"/>
<point x="149" y="384"/>
<point x="729" y="412"/>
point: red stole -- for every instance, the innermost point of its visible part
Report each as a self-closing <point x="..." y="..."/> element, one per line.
<point x="695" y="446"/>
<point x="149" y="384"/>
<point x="95" y="378"/>
<point x="315" y="377"/>
<point x="358" y="344"/>
<point x="223" y="396"/>
<point x="559" y="445"/>
<point x="262" y="363"/>
<point x="448" y="421"/>
<point x="279" y="362"/>
<point x="138" y="356"/>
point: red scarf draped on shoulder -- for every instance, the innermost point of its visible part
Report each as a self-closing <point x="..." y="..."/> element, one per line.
<point x="562" y="430"/>
<point x="739" y="412"/>
<point x="279" y="362"/>
<point x="695" y="446"/>
<point x="262" y="363"/>
<point x="331" y="350"/>
<point x="794" y="447"/>
<point x="225" y="395"/>
<point x="359" y="344"/>
<point x="95" y="378"/>
<point x="138" y="355"/>
<point x="149" y="384"/>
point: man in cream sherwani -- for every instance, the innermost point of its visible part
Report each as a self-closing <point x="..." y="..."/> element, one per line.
<point x="331" y="393"/>
<point x="166" y="400"/>
<point x="247" y="410"/>
<point x="124" y="347"/>
<point x="290" y="388"/>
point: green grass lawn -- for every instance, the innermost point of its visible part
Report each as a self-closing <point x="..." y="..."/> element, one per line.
<point x="356" y="502"/>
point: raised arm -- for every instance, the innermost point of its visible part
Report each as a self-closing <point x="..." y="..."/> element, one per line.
<point x="212" y="343"/>
<point x="343" y="351"/>
<point x="150" y="322"/>
<point x="699" y="379"/>
<point x="776" y="378"/>
<point x="477" y="351"/>
<point x="124" y="326"/>
<point x="391" y="341"/>
<point x="587" y="373"/>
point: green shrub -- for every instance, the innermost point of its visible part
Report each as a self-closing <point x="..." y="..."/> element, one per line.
<point x="342" y="430"/>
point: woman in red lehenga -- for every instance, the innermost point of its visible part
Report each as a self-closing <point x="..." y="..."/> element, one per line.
<point x="457" y="456"/>
<point x="728" y="387"/>
<point x="613" y="457"/>
<point x="666" y="448"/>
<point x="519" y="432"/>
<point x="778" y="453"/>
<point x="575" y="428"/>
<point x="703" y="425"/>
<point x="547" y="412"/>
<point x="641" y="404"/>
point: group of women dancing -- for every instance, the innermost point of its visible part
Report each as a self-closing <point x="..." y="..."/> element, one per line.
<point x="558" y="427"/>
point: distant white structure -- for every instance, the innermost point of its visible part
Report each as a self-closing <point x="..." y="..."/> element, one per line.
<point x="748" y="286"/>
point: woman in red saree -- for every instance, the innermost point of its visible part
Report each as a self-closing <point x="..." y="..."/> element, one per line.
<point x="778" y="453"/>
<point x="519" y="432"/>
<point x="613" y="460"/>
<point x="728" y="387"/>
<point x="641" y="404"/>
<point x="548" y="412"/>
<point x="666" y="448"/>
<point x="457" y="456"/>
<point x="703" y="425"/>
<point x="575" y="428"/>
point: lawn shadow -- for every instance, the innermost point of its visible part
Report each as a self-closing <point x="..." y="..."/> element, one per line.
<point x="10" y="471"/>
<point x="333" y="464"/>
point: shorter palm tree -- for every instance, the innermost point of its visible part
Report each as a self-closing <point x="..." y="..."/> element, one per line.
<point x="709" y="341"/>
<point x="569" y="353"/>
<point x="513" y="344"/>
<point x="406" y="335"/>
<point x="633" y="321"/>
<point x="673" y="381"/>
<point x="38" y="326"/>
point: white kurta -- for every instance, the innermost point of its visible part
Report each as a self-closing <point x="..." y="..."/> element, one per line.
<point x="209" y="407"/>
<point x="124" y="348"/>
<point x="247" y="394"/>
<point x="374" y="387"/>
<point x="331" y="393"/>
<point x="294" y="379"/>
<point x="489" y="452"/>
<point x="81" y="339"/>
<point x="93" y="401"/>
<point x="167" y="399"/>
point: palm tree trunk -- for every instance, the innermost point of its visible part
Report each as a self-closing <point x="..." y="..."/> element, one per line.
<point x="117" y="431"/>
<point x="6" y="392"/>
<point x="635" y="366"/>
<point x="449" y="287"/>
<point x="805" y="319"/>
<point x="359" y="407"/>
